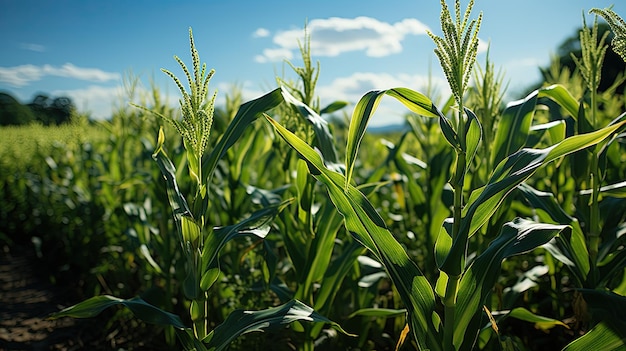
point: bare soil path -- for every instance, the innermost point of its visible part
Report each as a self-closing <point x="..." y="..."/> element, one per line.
<point x="26" y="300"/>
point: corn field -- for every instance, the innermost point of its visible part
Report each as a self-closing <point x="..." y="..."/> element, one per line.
<point x="277" y="223"/>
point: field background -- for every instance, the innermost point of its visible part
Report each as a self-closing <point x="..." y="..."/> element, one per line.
<point x="88" y="199"/>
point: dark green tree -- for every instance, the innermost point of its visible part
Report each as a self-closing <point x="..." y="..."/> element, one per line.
<point x="12" y="112"/>
<point x="50" y="111"/>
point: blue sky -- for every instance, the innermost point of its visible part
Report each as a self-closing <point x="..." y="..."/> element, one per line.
<point x="84" y="49"/>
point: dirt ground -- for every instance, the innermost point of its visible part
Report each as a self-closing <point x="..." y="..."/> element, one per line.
<point x="26" y="300"/>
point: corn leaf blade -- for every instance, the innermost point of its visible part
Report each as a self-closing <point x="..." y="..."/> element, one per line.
<point x="366" y="107"/>
<point x="367" y="227"/>
<point x="514" y="127"/>
<point x="140" y="308"/>
<point x="515" y="238"/>
<point x="241" y="322"/>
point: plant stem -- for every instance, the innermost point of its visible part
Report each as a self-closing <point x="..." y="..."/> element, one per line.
<point x="594" y="182"/>
<point x="449" y="302"/>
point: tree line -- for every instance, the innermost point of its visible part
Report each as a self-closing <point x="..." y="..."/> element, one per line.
<point x="42" y="109"/>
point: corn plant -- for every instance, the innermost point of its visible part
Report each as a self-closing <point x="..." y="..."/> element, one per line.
<point x="592" y="252"/>
<point x="463" y="286"/>
<point x="201" y="241"/>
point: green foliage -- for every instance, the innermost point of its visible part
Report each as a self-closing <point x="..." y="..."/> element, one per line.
<point x="483" y="225"/>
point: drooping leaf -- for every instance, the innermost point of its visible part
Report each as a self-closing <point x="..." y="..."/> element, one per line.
<point x="366" y="107"/>
<point x="559" y="94"/>
<point x="140" y="308"/>
<point x="256" y="224"/>
<point x="607" y="310"/>
<point x="569" y="248"/>
<point x="541" y="322"/>
<point x="511" y="172"/>
<point x="515" y="238"/>
<point x="602" y="336"/>
<point x="241" y="322"/>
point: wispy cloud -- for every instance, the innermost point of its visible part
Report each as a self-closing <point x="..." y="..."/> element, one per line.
<point x="274" y="55"/>
<point x="22" y="75"/>
<point x="261" y="33"/>
<point x="334" y="36"/>
<point x="32" y="47"/>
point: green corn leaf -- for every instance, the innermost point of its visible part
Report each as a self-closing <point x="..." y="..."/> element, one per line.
<point x="258" y="224"/>
<point x="617" y="190"/>
<point x="569" y="248"/>
<point x="514" y="127"/>
<point x="378" y="312"/>
<point x="333" y="107"/>
<point x="366" y="107"/>
<point x="241" y="322"/>
<point x="329" y="222"/>
<point x="602" y="336"/>
<point x="140" y="308"/>
<point x="543" y="323"/>
<point x="323" y="136"/>
<point x="448" y="132"/>
<point x="511" y="172"/>
<point x="189" y="340"/>
<point x="613" y="265"/>
<point x="367" y="227"/>
<point x="336" y="272"/>
<point x="561" y="96"/>
<point x="515" y="238"/>
<point x="608" y="310"/>
<point x="176" y="198"/>
<point x="555" y="131"/>
<point x="472" y="137"/>
<point x="247" y="113"/>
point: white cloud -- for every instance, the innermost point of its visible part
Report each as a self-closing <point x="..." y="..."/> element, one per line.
<point x="274" y="55"/>
<point x="334" y="36"/>
<point x="22" y="75"/>
<point x="33" y="47"/>
<point x="261" y="33"/>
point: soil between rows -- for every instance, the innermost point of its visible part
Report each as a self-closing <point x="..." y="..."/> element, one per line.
<point x="27" y="298"/>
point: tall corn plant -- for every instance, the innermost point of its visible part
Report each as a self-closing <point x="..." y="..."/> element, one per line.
<point x="462" y="288"/>
<point x="201" y="241"/>
<point x="593" y="251"/>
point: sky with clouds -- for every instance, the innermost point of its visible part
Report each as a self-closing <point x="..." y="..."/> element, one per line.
<point x="87" y="49"/>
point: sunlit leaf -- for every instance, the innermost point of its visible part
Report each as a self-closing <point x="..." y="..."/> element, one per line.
<point x="241" y="322"/>
<point x="247" y="113"/>
<point x="366" y="225"/>
<point x="325" y="140"/>
<point x="334" y="106"/>
<point x="366" y="107"/>
<point x="515" y="238"/>
<point x="377" y="312"/>
<point x="513" y="127"/>
<point x="543" y="323"/>
<point x="559" y="94"/>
